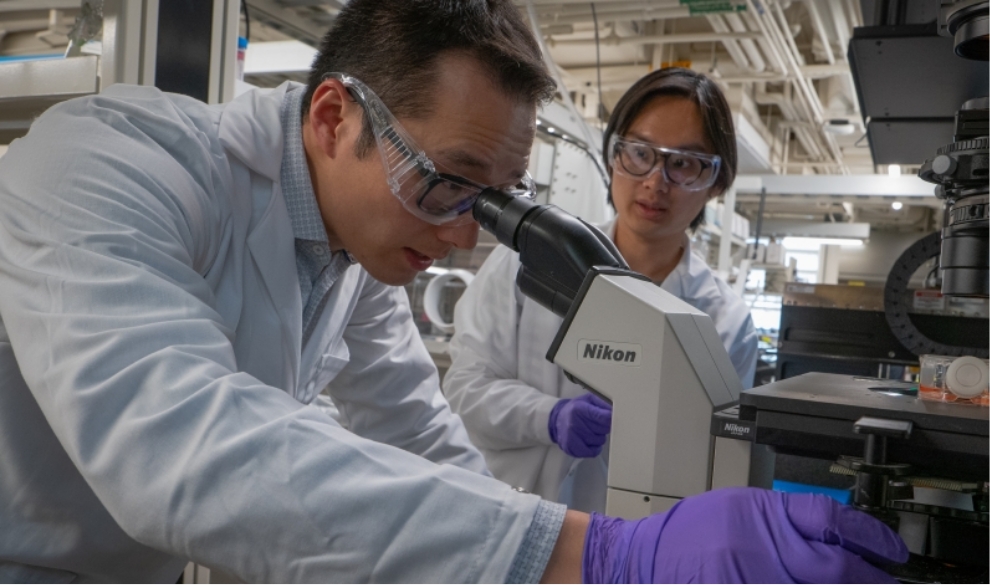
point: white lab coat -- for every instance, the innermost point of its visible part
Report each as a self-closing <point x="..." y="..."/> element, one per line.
<point x="503" y="387"/>
<point x="154" y="394"/>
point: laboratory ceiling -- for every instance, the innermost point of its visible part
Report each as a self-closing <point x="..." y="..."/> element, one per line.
<point x="782" y="63"/>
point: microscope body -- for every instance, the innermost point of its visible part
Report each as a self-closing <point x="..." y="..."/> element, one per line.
<point x="662" y="365"/>
<point x="658" y="360"/>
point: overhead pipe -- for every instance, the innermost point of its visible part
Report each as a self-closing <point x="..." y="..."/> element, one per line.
<point x="731" y="46"/>
<point x="755" y="78"/>
<point x="820" y="71"/>
<point x="838" y="12"/>
<point x="786" y="141"/>
<point x="819" y="26"/>
<point x="779" y="48"/>
<point x="855" y="12"/>
<point x="788" y="110"/>
<point x="605" y="7"/>
<point x="767" y="38"/>
<point x="808" y="138"/>
<point x="792" y="52"/>
<point x="649" y="14"/>
<point x="544" y="5"/>
<point x="811" y="94"/>
<point x="679" y="38"/>
<point x="535" y="25"/>
<point x="809" y="99"/>
<point x="777" y="62"/>
<point x="788" y="65"/>
<point x="749" y="46"/>
<point x="842" y="25"/>
<point x="790" y="114"/>
<point x="623" y="81"/>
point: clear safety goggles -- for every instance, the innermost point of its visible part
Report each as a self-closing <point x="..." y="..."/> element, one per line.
<point x="423" y="186"/>
<point x="692" y="171"/>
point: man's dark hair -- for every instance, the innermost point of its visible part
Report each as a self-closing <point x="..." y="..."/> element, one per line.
<point x="715" y="114"/>
<point x="393" y="47"/>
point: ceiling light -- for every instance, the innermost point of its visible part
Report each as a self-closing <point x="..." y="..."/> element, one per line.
<point x="894" y="170"/>
<point x="538" y="122"/>
<point x="550" y="129"/>
<point x="896" y="205"/>
<point x="839" y="126"/>
<point x="803" y="243"/>
<point x="278" y="57"/>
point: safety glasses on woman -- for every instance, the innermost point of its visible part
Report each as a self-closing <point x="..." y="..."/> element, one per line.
<point x="693" y="171"/>
<point x="423" y="186"/>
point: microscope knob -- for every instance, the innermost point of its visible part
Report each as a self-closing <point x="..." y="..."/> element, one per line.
<point x="882" y="427"/>
<point x="944" y="165"/>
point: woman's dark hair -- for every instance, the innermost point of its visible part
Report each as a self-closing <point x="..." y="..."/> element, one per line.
<point x="393" y="47"/>
<point x="715" y="114"/>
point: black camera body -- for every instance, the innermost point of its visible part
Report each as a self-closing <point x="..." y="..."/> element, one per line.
<point x="960" y="169"/>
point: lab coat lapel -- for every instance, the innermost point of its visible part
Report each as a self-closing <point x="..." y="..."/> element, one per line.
<point x="272" y="249"/>
<point x="251" y="129"/>
<point x="326" y="353"/>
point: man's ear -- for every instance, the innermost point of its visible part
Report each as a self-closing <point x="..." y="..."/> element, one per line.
<point x="328" y="110"/>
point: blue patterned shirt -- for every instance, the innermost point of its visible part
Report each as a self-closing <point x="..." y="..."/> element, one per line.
<point x="319" y="268"/>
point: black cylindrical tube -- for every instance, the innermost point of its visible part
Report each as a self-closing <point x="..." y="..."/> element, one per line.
<point x="501" y="214"/>
<point x="870" y="489"/>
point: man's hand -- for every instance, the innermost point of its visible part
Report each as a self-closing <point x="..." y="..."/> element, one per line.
<point x="580" y="425"/>
<point x="742" y="535"/>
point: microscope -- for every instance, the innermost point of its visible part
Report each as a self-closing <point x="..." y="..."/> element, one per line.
<point x="658" y="360"/>
<point x="682" y="424"/>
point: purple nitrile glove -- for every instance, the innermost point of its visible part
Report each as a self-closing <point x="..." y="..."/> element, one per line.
<point x="580" y="425"/>
<point x="742" y="535"/>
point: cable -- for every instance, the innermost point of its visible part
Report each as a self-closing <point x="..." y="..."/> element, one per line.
<point x="561" y="86"/>
<point x="598" y="67"/>
<point x="247" y="20"/>
<point x="592" y="155"/>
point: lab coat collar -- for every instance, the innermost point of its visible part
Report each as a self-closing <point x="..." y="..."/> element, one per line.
<point x="251" y="129"/>
<point x="684" y="266"/>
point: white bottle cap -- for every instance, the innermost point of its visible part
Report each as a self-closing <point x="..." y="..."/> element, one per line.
<point x="967" y="377"/>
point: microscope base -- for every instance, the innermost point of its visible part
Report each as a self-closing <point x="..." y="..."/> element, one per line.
<point x="634" y="505"/>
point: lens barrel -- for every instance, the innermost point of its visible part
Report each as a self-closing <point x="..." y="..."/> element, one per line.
<point x="960" y="171"/>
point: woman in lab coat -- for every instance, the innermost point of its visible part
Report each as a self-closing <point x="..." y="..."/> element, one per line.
<point x="670" y="148"/>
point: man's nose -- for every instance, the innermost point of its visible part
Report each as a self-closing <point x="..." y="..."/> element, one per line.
<point x="461" y="236"/>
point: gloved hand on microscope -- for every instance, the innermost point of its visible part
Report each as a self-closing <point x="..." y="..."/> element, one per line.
<point x="580" y="425"/>
<point x="743" y="535"/>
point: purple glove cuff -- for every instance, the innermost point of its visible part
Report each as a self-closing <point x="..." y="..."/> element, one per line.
<point x="601" y="544"/>
<point x="622" y="551"/>
<point x="552" y="420"/>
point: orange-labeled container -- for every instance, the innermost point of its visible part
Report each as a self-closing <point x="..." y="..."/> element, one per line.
<point x="961" y="380"/>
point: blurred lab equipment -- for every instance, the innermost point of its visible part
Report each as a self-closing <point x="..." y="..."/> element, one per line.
<point x="436" y="297"/>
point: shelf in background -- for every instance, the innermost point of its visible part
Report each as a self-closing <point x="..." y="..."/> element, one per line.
<point x="31" y="87"/>
<point x="716" y="231"/>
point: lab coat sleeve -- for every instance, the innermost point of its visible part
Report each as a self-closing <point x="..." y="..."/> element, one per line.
<point x="390" y="391"/>
<point x="108" y="218"/>
<point x="743" y="351"/>
<point x="482" y="384"/>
